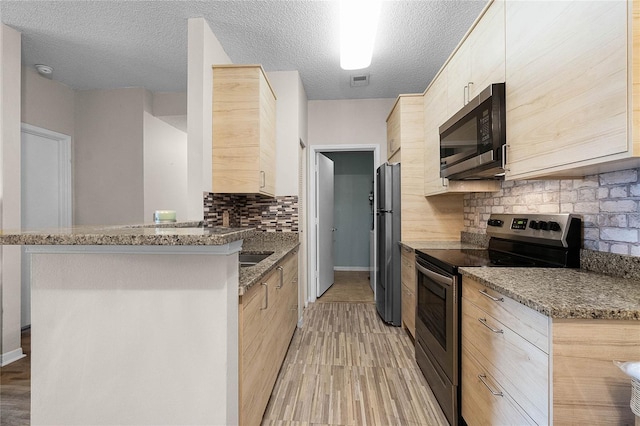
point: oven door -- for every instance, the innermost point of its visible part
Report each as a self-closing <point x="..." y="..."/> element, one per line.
<point x="437" y="316"/>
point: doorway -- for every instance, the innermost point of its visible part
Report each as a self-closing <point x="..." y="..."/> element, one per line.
<point x="45" y="185"/>
<point x="354" y="225"/>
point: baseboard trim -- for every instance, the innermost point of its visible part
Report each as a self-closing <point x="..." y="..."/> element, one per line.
<point x="352" y="268"/>
<point x="12" y="356"/>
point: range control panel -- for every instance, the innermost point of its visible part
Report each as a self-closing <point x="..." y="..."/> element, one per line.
<point x="545" y="228"/>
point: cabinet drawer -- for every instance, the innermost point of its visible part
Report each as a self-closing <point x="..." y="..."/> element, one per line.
<point x="519" y="367"/>
<point x="531" y="325"/>
<point x="479" y="405"/>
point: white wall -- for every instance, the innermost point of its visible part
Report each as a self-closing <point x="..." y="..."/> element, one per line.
<point x="108" y="153"/>
<point x="165" y="168"/>
<point x="290" y="123"/>
<point x="10" y="266"/>
<point x="171" y="107"/>
<point x="204" y="50"/>
<point x="47" y="103"/>
<point x="356" y="121"/>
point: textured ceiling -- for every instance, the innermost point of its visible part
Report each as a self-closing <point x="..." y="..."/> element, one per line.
<point x="109" y="44"/>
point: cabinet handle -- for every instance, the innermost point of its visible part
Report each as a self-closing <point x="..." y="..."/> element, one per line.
<point x="263" y="177"/>
<point x="483" y="321"/>
<point x="281" y="269"/>
<point x="266" y="296"/>
<point x="495" y="299"/>
<point x="482" y="377"/>
<point x="465" y="95"/>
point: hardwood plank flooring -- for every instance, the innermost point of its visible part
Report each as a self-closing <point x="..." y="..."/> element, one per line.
<point x="15" y="388"/>
<point x="346" y="367"/>
<point x="350" y="287"/>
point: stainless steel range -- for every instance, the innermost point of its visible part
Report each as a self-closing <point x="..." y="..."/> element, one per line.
<point x="517" y="240"/>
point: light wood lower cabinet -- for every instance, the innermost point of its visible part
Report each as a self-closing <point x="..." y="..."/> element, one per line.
<point x="267" y="320"/>
<point x="409" y="290"/>
<point x="521" y="367"/>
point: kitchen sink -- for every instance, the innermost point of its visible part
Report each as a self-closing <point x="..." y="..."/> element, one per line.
<point x="252" y="259"/>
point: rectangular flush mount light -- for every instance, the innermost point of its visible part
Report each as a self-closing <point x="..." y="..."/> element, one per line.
<point x="358" y="26"/>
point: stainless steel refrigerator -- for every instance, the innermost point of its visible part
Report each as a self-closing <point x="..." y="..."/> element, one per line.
<point x="388" y="276"/>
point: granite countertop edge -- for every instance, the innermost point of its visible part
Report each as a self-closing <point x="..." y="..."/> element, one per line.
<point x="564" y="293"/>
<point x="128" y="235"/>
<point x="251" y="275"/>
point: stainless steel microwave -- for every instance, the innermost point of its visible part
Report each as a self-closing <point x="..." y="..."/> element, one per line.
<point x="472" y="142"/>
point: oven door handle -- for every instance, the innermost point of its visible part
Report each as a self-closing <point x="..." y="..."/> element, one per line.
<point x="440" y="279"/>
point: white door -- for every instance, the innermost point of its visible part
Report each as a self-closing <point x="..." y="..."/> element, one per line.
<point x="324" y="221"/>
<point x="45" y="191"/>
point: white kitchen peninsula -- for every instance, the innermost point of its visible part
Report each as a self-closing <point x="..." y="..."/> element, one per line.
<point x="134" y="325"/>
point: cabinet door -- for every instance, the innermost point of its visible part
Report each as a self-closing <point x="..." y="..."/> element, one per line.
<point x="267" y="184"/>
<point x="243" y="131"/>
<point x="409" y="290"/>
<point x="566" y="93"/>
<point x="435" y="113"/>
<point x="257" y="371"/>
<point x="486" y="50"/>
<point x="393" y="130"/>
<point x="459" y="76"/>
<point x="479" y="61"/>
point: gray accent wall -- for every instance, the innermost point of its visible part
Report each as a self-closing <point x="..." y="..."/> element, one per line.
<point x="353" y="180"/>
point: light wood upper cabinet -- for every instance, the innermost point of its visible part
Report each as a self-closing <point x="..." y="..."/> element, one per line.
<point x="479" y="60"/>
<point x="393" y="132"/>
<point x="244" y="131"/>
<point x="567" y="87"/>
<point x="434" y="115"/>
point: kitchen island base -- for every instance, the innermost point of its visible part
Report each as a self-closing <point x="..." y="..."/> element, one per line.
<point x="134" y="334"/>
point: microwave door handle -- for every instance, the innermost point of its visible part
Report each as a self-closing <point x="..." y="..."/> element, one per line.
<point x="504" y="157"/>
<point x="440" y="279"/>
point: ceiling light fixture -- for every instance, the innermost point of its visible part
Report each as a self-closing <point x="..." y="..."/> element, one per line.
<point x="44" y="70"/>
<point x="358" y="26"/>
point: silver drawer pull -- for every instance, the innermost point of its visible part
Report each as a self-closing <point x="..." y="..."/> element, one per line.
<point x="482" y="377"/>
<point x="266" y="296"/>
<point x="483" y="321"/>
<point x="281" y="269"/>
<point x="495" y="299"/>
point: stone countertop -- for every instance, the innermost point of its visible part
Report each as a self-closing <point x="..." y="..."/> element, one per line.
<point x="436" y="245"/>
<point x="280" y="243"/>
<point x="127" y="235"/>
<point x="564" y="293"/>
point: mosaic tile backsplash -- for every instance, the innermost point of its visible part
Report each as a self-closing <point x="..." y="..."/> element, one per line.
<point x="278" y="214"/>
<point x="608" y="203"/>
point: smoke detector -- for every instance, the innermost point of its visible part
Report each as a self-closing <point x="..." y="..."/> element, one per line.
<point x="359" y="80"/>
<point x="44" y="70"/>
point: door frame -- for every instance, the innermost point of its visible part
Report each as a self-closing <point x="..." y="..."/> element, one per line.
<point x="312" y="264"/>
<point x="65" y="189"/>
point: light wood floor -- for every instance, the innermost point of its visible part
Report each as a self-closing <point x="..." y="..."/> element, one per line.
<point x="15" y="388"/>
<point x="351" y="287"/>
<point x="346" y="367"/>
